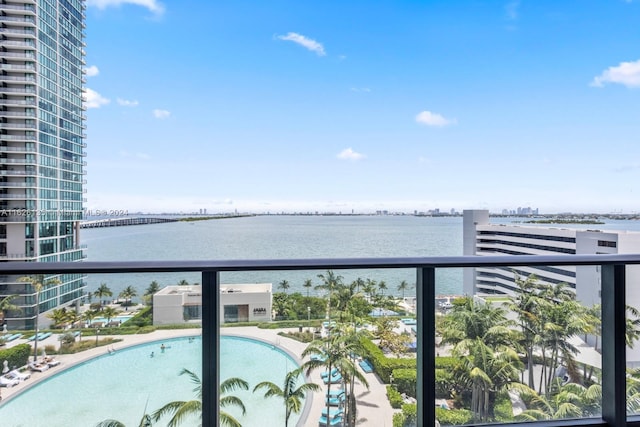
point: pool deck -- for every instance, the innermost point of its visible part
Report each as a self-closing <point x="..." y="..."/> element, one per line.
<point x="373" y="405"/>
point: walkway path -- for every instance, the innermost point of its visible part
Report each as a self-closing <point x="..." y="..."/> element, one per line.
<point x="373" y="405"/>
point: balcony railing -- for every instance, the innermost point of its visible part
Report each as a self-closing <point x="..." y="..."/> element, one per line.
<point x="613" y="286"/>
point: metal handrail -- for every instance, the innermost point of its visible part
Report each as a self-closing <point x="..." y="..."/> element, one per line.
<point x="314" y="264"/>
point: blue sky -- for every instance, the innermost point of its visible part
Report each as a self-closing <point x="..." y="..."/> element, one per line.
<point x="363" y="105"/>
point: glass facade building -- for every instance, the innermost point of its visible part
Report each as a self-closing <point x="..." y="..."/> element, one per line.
<point x="42" y="125"/>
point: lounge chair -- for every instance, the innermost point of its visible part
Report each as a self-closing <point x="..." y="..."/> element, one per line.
<point x="366" y="366"/>
<point x="6" y="382"/>
<point x="17" y="375"/>
<point x="13" y="337"/>
<point x="325" y="374"/>
<point x="38" y="367"/>
<point x="335" y="398"/>
<point x="336" y="421"/>
<point x="44" y="336"/>
<point x="332" y="412"/>
<point x="333" y="379"/>
<point x="50" y="361"/>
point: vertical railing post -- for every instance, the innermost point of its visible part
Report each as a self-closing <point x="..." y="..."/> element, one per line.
<point x="614" y="345"/>
<point x="425" y="345"/>
<point x="210" y="348"/>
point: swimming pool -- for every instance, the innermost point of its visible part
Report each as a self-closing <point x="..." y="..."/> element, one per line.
<point x="121" y="385"/>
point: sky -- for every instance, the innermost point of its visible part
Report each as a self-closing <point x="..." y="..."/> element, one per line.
<point x="358" y="106"/>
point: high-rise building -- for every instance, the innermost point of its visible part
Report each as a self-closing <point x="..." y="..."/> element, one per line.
<point x="42" y="125"/>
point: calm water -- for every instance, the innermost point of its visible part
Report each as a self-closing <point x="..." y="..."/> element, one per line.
<point x="122" y="385"/>
<point x="273" y="237"/>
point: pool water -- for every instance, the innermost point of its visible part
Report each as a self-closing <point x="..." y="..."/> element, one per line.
<point x="123" y="385"/>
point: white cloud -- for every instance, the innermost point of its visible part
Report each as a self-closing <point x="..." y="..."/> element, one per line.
<point x="349" y="154"/>
<point x="93" y="99"/>
<point x="161" y="114"/>
<point x="153" y="5"/>
<point x="92" y="71"/>
<point x="433" y="119"/>
<point x="305" y="42"/>
<point x="127" y="103"/>
<point x="360" y="89"/>
<point x="627" y="74"/>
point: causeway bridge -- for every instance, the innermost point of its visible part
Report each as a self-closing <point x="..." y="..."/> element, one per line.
<point x="121" y="222"/>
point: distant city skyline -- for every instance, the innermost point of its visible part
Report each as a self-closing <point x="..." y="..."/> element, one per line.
<point x="397" y="105"/>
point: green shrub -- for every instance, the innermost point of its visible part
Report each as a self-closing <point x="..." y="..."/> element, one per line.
<point x="398" y="419"/>
<point x="503" y="408"/>
<point x="180" y="326"/>
<point x="394" y="397"/>
<point x="448" y="417"/>
<point x="405" y="380"/>
<point x="146" y="330"/>
<point x="304" y="337"/>
<point x="237" y="324"/>
<point x="410" y="412"/>
<point x="16" y="356"/>
<point x="446" y="362"/>
<point x="383" y="365"/>
<point x="143" y="318"/>
<point x="445" y="382"/>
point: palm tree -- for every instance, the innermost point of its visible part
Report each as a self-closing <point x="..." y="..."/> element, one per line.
<point x="307" y="284"/>
<point x="74" y="318"/>
<point x="183" y="409"/>
<point x="370" y="288"/>
<point x="562" y="319"/>
<point x="59" y="316"/>
<point x="7" y="305"/>
<point x="382" y="286"/>
<point x="633" y="326"/>
<point x="359" y="282"/>
<point x="330" y="282"/>
<point x="109" y="313"/>
<point x="528" y="306"/>
<point x="152" y="289"/>
<point x="291" y="396"/>
<point x="89" y="315"/>
<point x="102" y="292"/>
<point x="485" y="343"/>
<point x="337" y="351"/>
<point x="128" y="293"/>
<point x="570" y="401"/>
<point x="183" y="282"/>
<point x="284" y="285"/>
<point x="403" y="286"/>
<point x="38" y="282"/>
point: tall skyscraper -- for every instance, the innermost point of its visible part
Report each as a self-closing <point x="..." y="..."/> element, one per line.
<point x="42" y="125"/>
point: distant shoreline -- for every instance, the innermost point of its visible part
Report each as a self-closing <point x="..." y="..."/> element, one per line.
<point x="564" y="221"/>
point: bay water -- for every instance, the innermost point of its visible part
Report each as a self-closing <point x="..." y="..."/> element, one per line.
<point x="289" y="237"/>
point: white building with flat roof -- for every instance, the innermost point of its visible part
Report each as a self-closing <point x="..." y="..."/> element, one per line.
<point x="484" y="239"/>
<point x="238" y="303"/>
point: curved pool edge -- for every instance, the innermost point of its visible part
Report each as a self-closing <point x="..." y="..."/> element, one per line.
<point x="71" y="361"/>
<point x="308" y="399"/>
